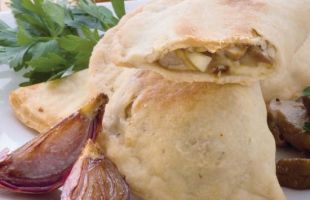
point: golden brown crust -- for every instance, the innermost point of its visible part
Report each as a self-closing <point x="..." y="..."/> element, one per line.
<point x="43" y="105"/>
<point x="184" y="139"/>
<point x="27" y="115"/>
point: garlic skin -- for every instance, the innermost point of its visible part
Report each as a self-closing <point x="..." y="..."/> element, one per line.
<point x="95" y="177"/>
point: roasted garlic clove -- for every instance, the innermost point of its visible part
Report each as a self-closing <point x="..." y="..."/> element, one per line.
<point x="95" y="177"/>
<point x="294" y="173"/>
<point x="43" y="164"/>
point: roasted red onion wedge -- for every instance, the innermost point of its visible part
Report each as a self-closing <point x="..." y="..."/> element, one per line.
<point x="43" y="164"/>
<point x="95" y="177"/>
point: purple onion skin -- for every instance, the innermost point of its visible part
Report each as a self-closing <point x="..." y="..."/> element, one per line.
<point x="43" y="164"/>
<point x="95" y="177"/>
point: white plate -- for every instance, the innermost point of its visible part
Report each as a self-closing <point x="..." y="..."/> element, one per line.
<point x="13" y="134"/>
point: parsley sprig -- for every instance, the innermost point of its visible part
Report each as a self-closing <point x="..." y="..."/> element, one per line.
<point x="306" y="93"/>
<point x="307" y="127"/>
<point x="53" y="40"/>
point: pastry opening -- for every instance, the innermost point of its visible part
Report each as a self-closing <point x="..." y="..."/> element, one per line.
<point x="233" y="59"/>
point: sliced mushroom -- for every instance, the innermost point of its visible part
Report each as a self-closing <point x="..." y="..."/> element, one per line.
<point x="294" y="173"/>
<point x="274" y="125"/>
<point x="286" y="121"/>
<point x="236" y="53"/>
<point x="234" y="59"/>
<point x="256" y="54"/>
<point x="276" y="130"/>
<point x="43" y="164"/>
<point x="95" y="177"/>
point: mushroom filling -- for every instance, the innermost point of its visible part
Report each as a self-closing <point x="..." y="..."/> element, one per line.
<point x="232" y="60"/>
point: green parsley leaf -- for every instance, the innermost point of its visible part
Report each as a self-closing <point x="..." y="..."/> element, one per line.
<point x="7" y="35"/>
<point x="55" y="12"/>
<point x="76" y="17"/>
<point x="307" y="127"/>
<point x="48" y="63"/>
<point x="36" y="77"/>
<point x="75" y="44"/>
<point x="93" y="36"/>
<point x="104" y="15"/>
<point x="42" y="48"/>
<point x="23" y="37"/>
<point x="3" y="25"/>
<point x="307" y="91"/>
<point x="80" y="48"/>
<point x="53" y="40"/>
<point x="30" y="16"/>
<point x="14" y="56"/>
<point x="119" y="8"/>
